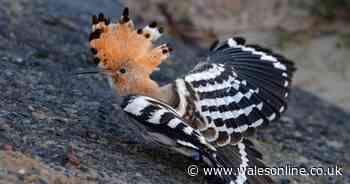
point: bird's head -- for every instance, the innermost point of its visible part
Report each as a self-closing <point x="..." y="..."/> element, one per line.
<point x="127" y="55"/>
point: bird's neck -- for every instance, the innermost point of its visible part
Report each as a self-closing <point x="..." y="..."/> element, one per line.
<point x="152" y="89"/>
<point x="168" y="95"/>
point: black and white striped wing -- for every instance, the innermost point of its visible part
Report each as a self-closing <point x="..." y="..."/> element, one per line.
<point x="239" y="88"/>
<point x="162" y="120"/>
<point x="168" y="128"/>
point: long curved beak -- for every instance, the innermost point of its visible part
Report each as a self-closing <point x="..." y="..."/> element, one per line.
<point x="106" y="72"/>
<point x="87" y="72"/>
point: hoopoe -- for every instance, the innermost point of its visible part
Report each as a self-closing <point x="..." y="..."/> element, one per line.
<point x="234" y="90"/>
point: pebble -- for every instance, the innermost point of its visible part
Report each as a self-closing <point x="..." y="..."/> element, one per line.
<point x="21" y="171"/>
<point x="19" y="60"/>
<point x="70" y="110"/>
<point x="298" y="134"/>
<point x="59" y="119"/>
<point x="39" y="115"/>
<point x="4" y="58"/>
<point x="30" y="107"/>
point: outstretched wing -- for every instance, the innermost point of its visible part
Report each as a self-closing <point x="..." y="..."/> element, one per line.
<point x="238" y="88"/>
<point x="166" y="127"/>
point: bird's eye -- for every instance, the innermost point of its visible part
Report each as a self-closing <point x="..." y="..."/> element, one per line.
<point x="122" y="70"/>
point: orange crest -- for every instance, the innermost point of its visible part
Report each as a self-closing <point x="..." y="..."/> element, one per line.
<point x="115" y="44"/>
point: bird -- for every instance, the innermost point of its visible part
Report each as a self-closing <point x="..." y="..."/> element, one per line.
<point x="233" y="90"/>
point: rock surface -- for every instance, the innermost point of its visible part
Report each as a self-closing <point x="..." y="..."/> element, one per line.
<point x="314" y="33"/>
<point x="58" y="127"/>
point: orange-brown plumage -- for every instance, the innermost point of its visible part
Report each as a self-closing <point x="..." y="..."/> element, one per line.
<point x="128" y="55"/>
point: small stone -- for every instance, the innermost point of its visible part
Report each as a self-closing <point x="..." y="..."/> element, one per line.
<point x="30" y="107"/>
<point x="138" y="174"/>
<point x="19" y="60"/>
<point x="39" y="115"/>
<point x="21" y="171"/>
<point x="59" y="119"/>
<point x="70" y="110"/>
<point x="13" y="35"/>
<point x="4" y="58"/>
<point x="298" y="134"/>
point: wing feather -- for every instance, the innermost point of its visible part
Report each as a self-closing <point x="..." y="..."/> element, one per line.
<point x="240" y="87"/>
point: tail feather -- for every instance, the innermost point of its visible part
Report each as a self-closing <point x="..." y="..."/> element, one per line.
<point x="238" y="158"/>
